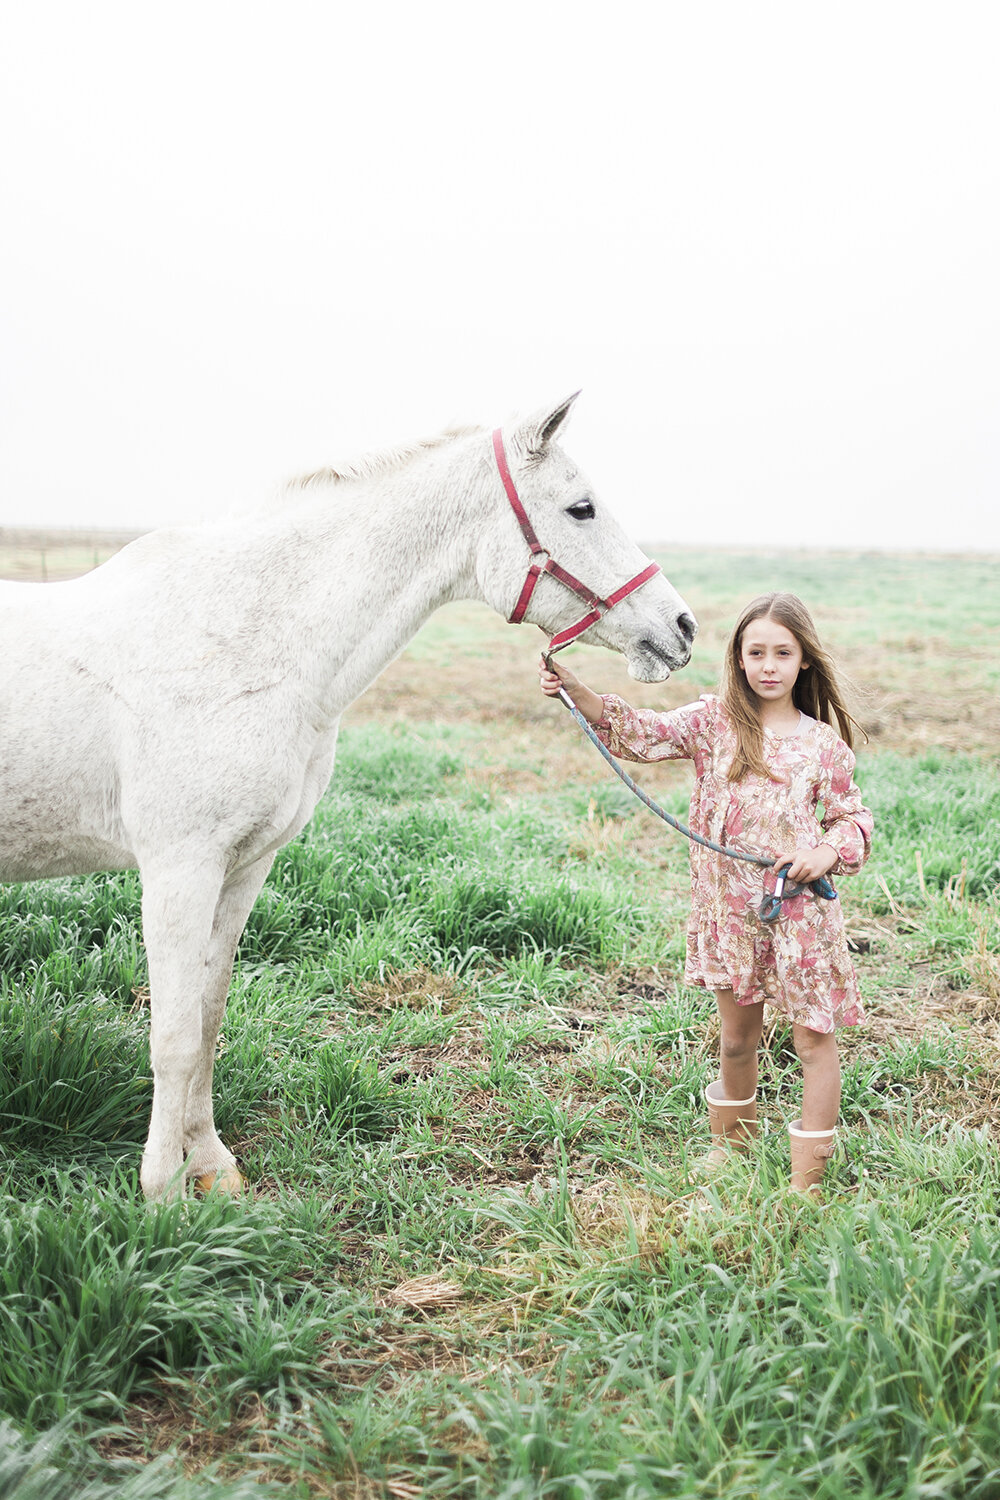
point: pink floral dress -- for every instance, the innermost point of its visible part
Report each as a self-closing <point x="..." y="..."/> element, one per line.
<point x="800" y="963"/>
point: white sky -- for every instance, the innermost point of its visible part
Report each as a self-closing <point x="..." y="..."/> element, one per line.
<point x="240" y="241"/>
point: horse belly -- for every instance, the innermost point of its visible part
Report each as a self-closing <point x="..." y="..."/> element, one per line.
<point x="44" y="856"/>
<point x="59" y="801"/>
<point x="59" y="820"/>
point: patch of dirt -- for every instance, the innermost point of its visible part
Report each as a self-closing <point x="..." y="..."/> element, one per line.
<point x="537" y="745"/>
<point x="165" y="1424"/>
<point x="463" y="1050"/>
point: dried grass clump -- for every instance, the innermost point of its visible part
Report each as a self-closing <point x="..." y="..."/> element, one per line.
<point x="424" y="1292"/>
<point x="417" y="989"/>
<point x="610" y="1212"/>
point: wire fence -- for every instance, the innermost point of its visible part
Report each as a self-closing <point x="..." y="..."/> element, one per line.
<point x="31" y="555"/>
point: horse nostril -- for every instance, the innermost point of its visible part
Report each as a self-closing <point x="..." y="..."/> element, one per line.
<point x="688" y="627"/>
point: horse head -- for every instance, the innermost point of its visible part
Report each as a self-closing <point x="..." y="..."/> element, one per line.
<point x="551" y="530"/>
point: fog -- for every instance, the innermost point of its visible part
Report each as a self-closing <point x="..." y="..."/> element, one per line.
<point x="241" y="243"/>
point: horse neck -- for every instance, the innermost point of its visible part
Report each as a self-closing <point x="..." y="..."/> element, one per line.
<point x="374" y="559"/>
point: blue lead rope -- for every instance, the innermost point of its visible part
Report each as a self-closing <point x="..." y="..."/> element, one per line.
<point x="770" y="908"/>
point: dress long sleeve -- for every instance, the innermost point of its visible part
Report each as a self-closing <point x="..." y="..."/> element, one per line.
<point x="641" y="734"/>
<point x="846" y="822"/>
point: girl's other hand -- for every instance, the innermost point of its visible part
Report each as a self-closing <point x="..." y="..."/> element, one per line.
<point x="807" y="864"/>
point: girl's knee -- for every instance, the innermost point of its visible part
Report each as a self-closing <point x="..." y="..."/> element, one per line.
<point x="813" y="1046"/>
<point x="740" y="1033"/>
<point x="737" y="1045"/>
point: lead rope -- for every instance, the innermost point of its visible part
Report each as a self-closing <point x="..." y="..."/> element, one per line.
<point x="770" y="908"/>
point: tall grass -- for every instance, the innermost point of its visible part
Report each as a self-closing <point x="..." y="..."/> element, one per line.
<point x="70" y="1075"/>
<point x="938" y="825"/>
<point x="101" y="1293"/>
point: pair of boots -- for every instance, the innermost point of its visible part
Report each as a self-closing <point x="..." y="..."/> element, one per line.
<point x="734" y="1125"/>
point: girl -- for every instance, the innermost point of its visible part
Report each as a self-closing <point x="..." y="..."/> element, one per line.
<point x="772" y="774"/>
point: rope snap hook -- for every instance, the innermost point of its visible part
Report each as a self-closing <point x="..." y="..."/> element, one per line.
<point x="770" y="908"/>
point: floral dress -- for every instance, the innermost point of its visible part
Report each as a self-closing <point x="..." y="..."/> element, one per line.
<point x="800" y="963"/>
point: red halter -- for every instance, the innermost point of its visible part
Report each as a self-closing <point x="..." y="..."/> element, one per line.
<point x="598" y="606"/>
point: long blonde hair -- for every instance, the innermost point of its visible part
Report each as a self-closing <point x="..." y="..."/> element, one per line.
<point x="818" y="691"/>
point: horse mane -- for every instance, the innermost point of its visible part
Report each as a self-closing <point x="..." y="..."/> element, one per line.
<point x="373" y="465"/>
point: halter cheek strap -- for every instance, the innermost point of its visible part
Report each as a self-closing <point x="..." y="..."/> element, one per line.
<point x="597" y="605"/>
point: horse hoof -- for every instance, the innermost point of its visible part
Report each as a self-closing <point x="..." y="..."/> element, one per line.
<point x="228" y="1181"/>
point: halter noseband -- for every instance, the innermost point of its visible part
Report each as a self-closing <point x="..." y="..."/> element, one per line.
<point x="598" y="606"/>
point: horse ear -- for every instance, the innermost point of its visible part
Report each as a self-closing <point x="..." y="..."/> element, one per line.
<point x="538" y="430"/>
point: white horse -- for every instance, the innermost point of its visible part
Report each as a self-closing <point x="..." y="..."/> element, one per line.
<point x="176" y="710"/>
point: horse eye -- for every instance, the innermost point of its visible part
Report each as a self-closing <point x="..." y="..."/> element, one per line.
<point x="581" y="510"/>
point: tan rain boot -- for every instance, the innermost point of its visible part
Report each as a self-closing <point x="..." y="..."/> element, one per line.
<point x="811" y="1150"/>
<point x="733" y="1123"/>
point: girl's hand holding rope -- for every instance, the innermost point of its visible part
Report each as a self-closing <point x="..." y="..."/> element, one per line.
<point x="805" y="864"/>
<point x="552" y="678"/>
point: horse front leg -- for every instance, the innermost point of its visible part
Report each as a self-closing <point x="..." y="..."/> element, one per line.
<point x="209" y="1162"/>
<point x="178" y="910"/>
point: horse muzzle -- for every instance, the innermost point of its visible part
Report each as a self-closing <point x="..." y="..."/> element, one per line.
<point x="653" y="657"/>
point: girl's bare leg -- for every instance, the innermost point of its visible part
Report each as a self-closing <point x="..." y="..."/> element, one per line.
<point x="741" y="1029"/>
<point x="817" y="1052"/>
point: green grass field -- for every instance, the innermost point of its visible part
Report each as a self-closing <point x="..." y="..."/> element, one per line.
<point x="463" y="1076"/>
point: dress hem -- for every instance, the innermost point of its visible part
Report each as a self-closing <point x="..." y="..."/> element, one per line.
<point x="837" y="1022"/>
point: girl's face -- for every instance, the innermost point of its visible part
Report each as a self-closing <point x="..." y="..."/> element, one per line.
<point x="771" y="659"/>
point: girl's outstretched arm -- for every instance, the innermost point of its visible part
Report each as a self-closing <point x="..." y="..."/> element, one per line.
<point x="632" y="733"/>
<point x="551" y="679"/>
